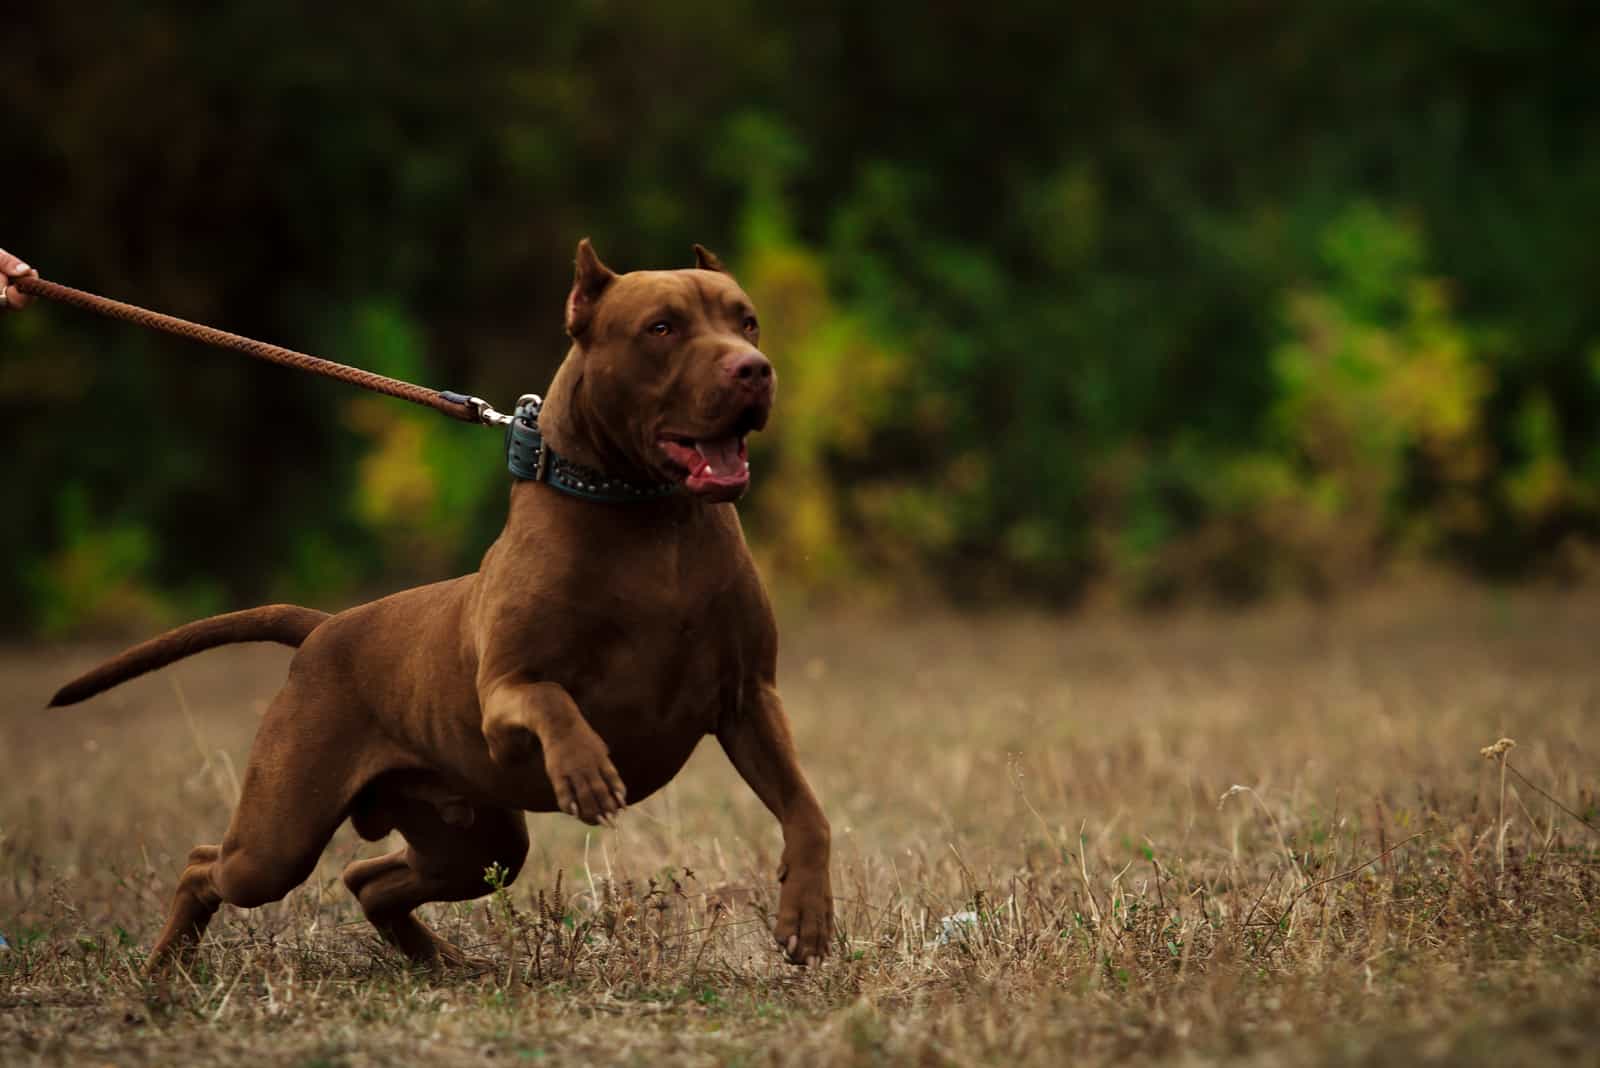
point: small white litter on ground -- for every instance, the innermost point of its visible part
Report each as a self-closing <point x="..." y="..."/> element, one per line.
<point x="957" y="926"/>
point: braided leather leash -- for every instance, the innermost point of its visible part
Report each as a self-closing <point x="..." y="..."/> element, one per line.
<point x="455" y="405"/>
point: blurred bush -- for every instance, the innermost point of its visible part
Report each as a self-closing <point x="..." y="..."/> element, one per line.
<point x="1148" y="300"/>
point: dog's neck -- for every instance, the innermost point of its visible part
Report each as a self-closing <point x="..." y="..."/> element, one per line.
<point x="572" y="427"/>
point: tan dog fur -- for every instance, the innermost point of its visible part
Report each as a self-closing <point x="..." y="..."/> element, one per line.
<point x="575" y="671"/>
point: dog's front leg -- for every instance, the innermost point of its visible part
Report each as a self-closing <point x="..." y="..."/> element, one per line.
<point x="516" y="715"/>
<point x="758" y="742"/>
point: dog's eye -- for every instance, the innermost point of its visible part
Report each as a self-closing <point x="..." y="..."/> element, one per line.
<point x="750" y="324"/>
<point x="659" y="328"/>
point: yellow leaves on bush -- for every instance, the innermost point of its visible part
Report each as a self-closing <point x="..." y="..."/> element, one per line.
<point x="1357" y="395"/>
<point x="1378" y="387"/>
<point x="1378" y="435"/>
<point x="835" y="385"/>
<point x="419" y="482"/>
<point x="393" y="484"/>
<point x="95" y="581"/>
<point x="421" y="479"/>
<point x="1543" y="484"/>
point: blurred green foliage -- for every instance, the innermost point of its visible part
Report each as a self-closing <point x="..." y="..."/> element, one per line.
<point x="1166" y="300"/>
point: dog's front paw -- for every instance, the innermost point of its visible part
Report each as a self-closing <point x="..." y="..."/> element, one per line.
<point x="587" y="784"/>
<point x="805" y="915"/>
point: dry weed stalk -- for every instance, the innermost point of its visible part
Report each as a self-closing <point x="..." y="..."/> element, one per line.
<point x="1498" y="752"/>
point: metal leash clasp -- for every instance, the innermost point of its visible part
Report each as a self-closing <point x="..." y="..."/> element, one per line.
<point x="486" y="412"/>
<point x="482" y="411"/>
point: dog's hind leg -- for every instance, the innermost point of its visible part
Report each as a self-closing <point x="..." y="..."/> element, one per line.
<point x="305" y="767"/>
<point x="240" y="873"/>
<point x="449" y="850"/>
<point x="193" y="906"/>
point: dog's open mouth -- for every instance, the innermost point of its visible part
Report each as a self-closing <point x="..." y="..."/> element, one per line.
<point x="716" y="468"/>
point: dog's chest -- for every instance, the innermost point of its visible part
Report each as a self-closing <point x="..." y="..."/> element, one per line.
<point x="654" y="689"/>
<point x="655" y="637"/>
<point x="659" y="673"/>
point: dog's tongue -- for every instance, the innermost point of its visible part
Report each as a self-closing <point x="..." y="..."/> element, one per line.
<point x="722" y="456"/>
<point x="714" y="468"/>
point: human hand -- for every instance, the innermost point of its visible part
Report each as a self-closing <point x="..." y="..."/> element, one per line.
<point x="10" y="268"/>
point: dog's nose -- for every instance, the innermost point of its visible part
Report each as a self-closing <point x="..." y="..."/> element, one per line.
<point x="751" y="370"/>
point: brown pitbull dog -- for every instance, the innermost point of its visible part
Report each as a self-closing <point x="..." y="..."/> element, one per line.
<point x="576" y="670"/>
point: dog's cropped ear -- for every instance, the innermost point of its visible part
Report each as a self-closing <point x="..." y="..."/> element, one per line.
<point x="707" y="260"/>
<point x="589" y="281"/>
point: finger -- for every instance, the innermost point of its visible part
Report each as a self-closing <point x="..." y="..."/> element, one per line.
<point x="13" y="267"/>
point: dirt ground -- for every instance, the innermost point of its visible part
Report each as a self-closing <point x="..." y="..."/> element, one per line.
<point x="1268" y="838"/>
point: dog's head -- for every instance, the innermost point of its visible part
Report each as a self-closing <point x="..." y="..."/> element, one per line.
<point x="671" y="375"/>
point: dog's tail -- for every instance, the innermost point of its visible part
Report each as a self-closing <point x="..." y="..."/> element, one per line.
<point x="287" y="624"/>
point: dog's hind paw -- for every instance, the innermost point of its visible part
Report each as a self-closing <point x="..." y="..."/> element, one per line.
<point x="442" y="956"/>
<point x="452" y="958"/>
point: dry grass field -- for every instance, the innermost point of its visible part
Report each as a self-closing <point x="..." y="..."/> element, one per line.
<point x="1266" y="839"/>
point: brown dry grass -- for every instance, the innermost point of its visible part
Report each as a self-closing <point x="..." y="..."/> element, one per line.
<point x="1060" y="780"/>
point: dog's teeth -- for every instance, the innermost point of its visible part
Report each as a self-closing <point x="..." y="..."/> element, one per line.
<point x="747" y="465"/>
